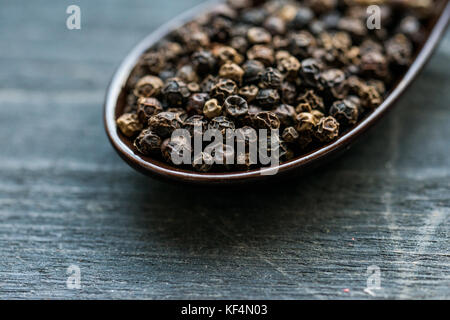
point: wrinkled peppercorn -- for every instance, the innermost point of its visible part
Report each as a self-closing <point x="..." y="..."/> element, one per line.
<point x="288" y="92"/>
<point x="148" y="86"/>
<point x="286" y="114"/>
<point x="204" y="62"/>
<point x="203" y="162"/>
<point x="223" y="89"/>
<point x="175" y="92"/>
<point x="290" y="135"/>
<point x="266" y="120"/>
<point x="310" y="71"/>
<point x="300" y="44"/>
<point x="267" y="98"/>
<point x="212" y="109"/>
<point x="195" y="124"/>
<point x="153" y="61"/>
<point x="148" y="142"/>
<point x="236" y="106"/>
<point x="226" y="54"/>
<point x="164" y="123"/>
<point x="333" y="82"/>
<point x="252" y="71"/>
<point x="129" y="124"/>
<point x="232" y="71"/>
<point x="399" y="50"/>
<point x="310" y="101"/>
<point x="147" y="107"/>
<point x="222" y="124"/>
<point x="249" y="92"/>
<point x="327" y="129"/>
<point x="344" y="111"/>
<point x="261" y="53"/>
<point x="178" y="146"/>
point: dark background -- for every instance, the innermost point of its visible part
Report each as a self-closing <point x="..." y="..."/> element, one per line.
<point x="67" y="198"/>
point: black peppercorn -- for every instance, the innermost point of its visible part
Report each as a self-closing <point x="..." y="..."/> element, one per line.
<point x="236" y="106"/>
<point x="240" y="44"/>
<point x="374" y="63"/>
<point x="399" y="50"/>
<point x="223" y="89"/>
<point x="344" y="111"/>
<point x="261" y="53"/>
<point x="154" y="62"/>
<point x="148" y="142"/>
<point x="286" y="114"/>
<point x="310" y="101"/>
<point x="333" y="82"/>
<point x="289" y="67"/>
<point x="266" y="120"/>
<point x="208" y="83"/>
<point x="259" y="36"/>
<point x="307" y="68"/>
<point x="148" y="107"/>
<point x="303" y="17"/>
<point x="327" y="129"/>
<point x="204" y="62"/>
<point x="306" y="122"/>
<point x="271" y="78"/>
<point x="267" y="98"/>
<point x="164" y="123"/>
<point x="288" y="92"/>
<point x="232" y="71"/>
<point x="196" y="102"/>
<point x="148" y="86"/>
<point x="300" y="44"/>
<point x="226" y="54"/>
<point x="129" y="124"/>
<point x="370" y="97"/>
<point x="179" y="146"/>
<point x="252" y="71"/>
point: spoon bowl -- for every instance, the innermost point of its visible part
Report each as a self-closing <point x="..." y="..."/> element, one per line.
<point x="115" y="103"/>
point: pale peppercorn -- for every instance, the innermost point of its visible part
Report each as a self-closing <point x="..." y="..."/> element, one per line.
<point x="129" y="124"/>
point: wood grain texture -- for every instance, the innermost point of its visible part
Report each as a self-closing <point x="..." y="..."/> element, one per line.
<point x="66" y="197"/>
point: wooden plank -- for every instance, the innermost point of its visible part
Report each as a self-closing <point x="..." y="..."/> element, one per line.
<point x="66" y="198"/>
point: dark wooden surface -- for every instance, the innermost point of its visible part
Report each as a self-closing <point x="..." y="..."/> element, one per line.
<point x="66" y="197"/>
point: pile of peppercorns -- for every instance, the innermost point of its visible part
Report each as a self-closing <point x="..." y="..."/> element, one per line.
<point x="311" y="69"/>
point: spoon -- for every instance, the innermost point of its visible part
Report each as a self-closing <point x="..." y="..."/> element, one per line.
<point x="115" y="103"/>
